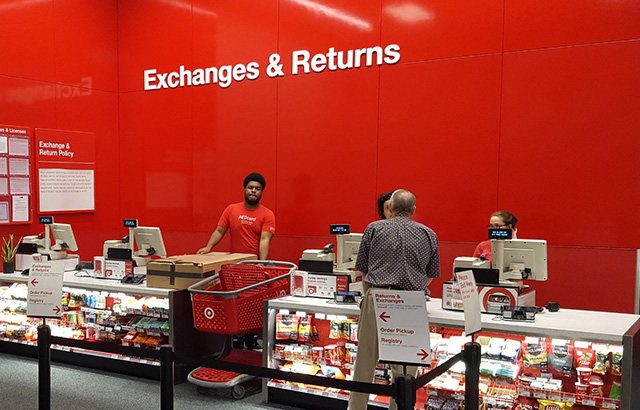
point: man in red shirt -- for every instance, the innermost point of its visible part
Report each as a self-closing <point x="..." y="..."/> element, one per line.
<point x="250" y="224"/>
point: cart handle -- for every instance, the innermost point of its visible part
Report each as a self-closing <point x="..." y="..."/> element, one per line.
<point x="230" y="294"/>
<point x="269" y="263"/>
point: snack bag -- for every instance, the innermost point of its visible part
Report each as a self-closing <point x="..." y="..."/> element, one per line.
<point x="561" y="355"/>
<point x="304" y="329"/>
<point x="616" y="360"/>
<point x="554" y="405"/>
<point x="603" y="361"/>
<point x="286" y="327"/>
<point x="336" y="329"/>
<point x="534" y="356"/>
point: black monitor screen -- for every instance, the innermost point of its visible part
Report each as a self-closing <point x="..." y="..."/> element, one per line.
<point x="340" y="229"/>
<point x="500" y="233"/>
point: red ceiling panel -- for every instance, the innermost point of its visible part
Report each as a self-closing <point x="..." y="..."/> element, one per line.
<point x="326" y="149"/>
<point x="429" y="29"/>
<point x="548" y="23"/>
<point x="569" y="149"/>
<point x="439" y="124"/>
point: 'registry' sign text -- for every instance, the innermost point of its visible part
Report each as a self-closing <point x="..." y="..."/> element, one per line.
<point x="301" y="62"/>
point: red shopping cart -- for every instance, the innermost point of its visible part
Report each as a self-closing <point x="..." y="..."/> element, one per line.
<point x="230" y="303"/>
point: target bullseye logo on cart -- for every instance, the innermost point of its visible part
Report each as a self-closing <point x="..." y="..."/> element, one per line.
<point x="283" y="293"/>
<point x="209" y="313"/>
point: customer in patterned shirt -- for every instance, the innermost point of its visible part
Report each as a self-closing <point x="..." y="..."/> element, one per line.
<point x="395" y="253"/>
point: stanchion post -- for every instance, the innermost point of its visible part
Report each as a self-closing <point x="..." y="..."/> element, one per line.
<point x="472" y="375"/>
<point x="405" y="393"/>
<point x="166" y="377"/>
<point x="44" y="367"/>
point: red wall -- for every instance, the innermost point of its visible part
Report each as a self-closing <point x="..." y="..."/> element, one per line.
<point x="529" y="106"/>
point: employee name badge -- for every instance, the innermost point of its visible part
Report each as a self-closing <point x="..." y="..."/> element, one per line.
<point x="403" y="326"/>
<point x="44" y="298"/>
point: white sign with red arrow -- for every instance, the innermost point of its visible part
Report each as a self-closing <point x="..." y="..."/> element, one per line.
<point x="45" y="289"/>
<point x="403" y="326"/>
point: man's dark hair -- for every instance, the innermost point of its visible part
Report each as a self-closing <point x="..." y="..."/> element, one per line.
<point x="403" y="202"/>
<point x="381" y="200"/>
<point x="254" y="176"/>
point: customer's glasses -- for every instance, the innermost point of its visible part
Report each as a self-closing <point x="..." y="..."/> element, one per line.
<point x="497" y="226"/>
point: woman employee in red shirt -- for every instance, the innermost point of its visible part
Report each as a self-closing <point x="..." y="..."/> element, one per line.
<point x="498" y="220"/>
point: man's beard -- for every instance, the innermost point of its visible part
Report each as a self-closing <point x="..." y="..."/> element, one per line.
<point x="252" y="201"/>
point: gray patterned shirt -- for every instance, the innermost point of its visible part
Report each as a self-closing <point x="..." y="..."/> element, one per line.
<point x="399" y="253"/>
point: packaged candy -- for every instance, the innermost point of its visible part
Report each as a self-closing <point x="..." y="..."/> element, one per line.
<point x="596" y="386"/>
<point x="554" y="405"/>
<point x="353" y="331"/>
<point x="583" y="355"/>
<point x="435" y="403"/>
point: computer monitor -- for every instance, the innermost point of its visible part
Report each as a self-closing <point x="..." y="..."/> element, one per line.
<point x="519" y="259"/>
<point x="348" y="247"/>
<point x="149" y="241"/>
<point x="62" y="237"/>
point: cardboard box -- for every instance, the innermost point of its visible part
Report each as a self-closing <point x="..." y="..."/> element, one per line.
<point x="182" y="271"/>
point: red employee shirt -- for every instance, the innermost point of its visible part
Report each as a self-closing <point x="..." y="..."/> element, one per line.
<point x="246" y="225"/>
<point x="483" y="249"/>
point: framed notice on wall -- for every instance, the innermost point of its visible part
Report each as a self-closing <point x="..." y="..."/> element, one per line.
<point x="65" y="168"/>
<point x="15" y="175"/>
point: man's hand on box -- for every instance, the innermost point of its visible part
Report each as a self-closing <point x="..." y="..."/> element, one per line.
<point x="203" y="250"/>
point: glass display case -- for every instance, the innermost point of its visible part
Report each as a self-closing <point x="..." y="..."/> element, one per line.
<point x="570" y="359"/>
<point x="106" y="312"/>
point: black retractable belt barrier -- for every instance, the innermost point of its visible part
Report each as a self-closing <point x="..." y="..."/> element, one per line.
<point x="472" y="355"/>
<point x="166" y="377"/>
<point x="44" y="368"/>
<point x="403" y="390"/>
<point x="45" y="340"/>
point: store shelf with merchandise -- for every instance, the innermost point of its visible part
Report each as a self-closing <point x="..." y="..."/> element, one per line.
<point x="105" y="312"/>
<point x="594" y="335"/>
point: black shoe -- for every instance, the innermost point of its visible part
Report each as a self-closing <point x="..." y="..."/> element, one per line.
<point x="251" y="342"/>
<point x="237" y="343"/>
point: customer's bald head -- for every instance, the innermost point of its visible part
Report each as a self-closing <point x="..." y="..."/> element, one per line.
<point x="403" y="202"/>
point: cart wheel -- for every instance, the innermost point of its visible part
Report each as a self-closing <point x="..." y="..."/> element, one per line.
<point x="237" y="392"/>
<point x="203" y="390"/>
